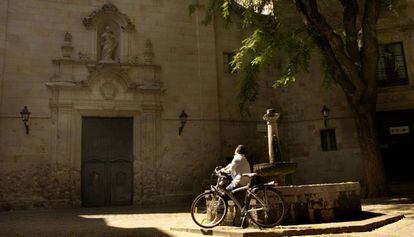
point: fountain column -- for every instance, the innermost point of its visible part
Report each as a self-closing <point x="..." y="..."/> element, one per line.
<point x="271" y="118"/>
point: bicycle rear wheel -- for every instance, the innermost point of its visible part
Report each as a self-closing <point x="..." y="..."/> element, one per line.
<point x="266" y="207"/>
<point x="208" y="209"/>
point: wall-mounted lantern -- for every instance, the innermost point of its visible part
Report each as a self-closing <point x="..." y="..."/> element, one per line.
<point x="183" y="119"/>
<point x="325" y="113"/>
<point x="25" y="115"/>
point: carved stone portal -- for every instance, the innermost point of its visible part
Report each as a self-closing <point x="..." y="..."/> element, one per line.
<point x="106" y="80"/>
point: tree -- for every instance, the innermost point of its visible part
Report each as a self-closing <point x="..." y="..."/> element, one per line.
<point x="344" y="31"/>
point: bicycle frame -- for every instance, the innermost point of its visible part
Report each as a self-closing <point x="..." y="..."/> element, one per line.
<point x="253" y="202"/>
<point x="249" y="193"/>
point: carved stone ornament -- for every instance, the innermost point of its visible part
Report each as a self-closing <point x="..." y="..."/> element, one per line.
<point x="68" y="37"/>
<point x="67" y="47"/>
<point x="83" y="56"/>
<point x="108" y="91"/>
<point x="134" y="60"/>
<point x="148" y="52"/>
<point x="108" y="9"/>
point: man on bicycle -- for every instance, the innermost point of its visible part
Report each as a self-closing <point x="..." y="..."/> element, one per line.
<point x="238" y="166"/>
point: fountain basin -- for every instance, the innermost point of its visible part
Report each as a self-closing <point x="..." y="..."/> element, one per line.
<point x="316" y="203"/>
<point x="274" y="169"/>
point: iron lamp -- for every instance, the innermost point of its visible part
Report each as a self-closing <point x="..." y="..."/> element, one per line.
<point x="325" y="113"/>
<point x="25" y="115"/>
<point x="183" y="119"/>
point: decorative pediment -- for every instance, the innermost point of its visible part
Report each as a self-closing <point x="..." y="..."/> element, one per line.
<point x="107" y="71"/>
<point x="108" y="11"/>
<point x="120" y="75"/>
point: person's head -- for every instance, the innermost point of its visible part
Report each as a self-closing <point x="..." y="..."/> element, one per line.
<point x="240" y="149"/>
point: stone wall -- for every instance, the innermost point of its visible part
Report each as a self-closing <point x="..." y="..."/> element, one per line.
<point x="236" y="127"/>
<point x="43" y="168"/>
<point x="3" y="32"/>
<point x="300" y="124"/>
<point x="184" y="72"/>
<point x="40" y="186"/>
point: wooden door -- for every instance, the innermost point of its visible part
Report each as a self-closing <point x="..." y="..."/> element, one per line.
<point x="107" y="161"/>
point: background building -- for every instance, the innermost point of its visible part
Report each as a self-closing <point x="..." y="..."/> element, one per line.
<point x="106" y="83"/>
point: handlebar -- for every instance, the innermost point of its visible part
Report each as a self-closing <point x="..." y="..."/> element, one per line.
<point x="217" y="172"/>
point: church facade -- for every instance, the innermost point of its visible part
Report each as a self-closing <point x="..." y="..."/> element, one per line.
<point x="133" y="102"/>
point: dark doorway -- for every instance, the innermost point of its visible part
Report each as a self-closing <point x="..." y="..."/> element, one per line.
<point x="107" y="161"/>
<point x="396" y="137"/>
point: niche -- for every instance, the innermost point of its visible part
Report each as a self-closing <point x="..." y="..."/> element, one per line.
<point x="110" y="31"/>
<point x="108" y="41"/>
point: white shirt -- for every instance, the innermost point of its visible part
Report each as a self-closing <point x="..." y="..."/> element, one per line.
<point x="238" y="166"/>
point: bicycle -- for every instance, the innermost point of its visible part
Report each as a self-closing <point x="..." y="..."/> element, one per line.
<point x="263" y="203"/>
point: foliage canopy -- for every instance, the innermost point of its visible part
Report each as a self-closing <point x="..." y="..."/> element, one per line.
<point x="277" y="35"/>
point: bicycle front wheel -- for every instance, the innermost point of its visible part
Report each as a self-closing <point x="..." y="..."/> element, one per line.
<point x="266" y="207"/>
<point x="208" y="209"/>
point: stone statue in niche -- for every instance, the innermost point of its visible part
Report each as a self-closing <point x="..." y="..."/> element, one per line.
<point x="109" y="44"/>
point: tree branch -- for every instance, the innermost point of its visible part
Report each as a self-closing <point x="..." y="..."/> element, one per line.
<point x="321" y="31"/>
<point x="349" y="20"/>
<point x="335" y="70"/>
<point x="370" y="53"/>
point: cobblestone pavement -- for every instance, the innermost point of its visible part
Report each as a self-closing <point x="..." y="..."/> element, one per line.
<point x="157" y="222"/>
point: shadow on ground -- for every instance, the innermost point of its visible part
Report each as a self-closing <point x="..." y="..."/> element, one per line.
<point x="79" y="227"/>
<point x="90" y="222"/>
<point x="135" y="209"/>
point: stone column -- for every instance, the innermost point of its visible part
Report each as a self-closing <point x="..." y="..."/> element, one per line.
<point x="272" y="131"/>
<point x="150" y="122"/>
<point x="147" y="164"/>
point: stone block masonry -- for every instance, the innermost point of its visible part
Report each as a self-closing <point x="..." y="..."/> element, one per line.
<point x="317" y="203"/>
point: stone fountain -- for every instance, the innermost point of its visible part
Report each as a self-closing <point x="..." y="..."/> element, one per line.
<point x="276" y="167"/>
<point x="311" y="203"/>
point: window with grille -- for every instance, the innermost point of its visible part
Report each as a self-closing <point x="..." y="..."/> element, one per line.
<point x="227" y="58"/>
<point x="392" y="69"/>
<point x="328" y="140"/>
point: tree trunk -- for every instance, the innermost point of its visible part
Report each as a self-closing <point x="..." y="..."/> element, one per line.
<point x="375" y="180"/>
